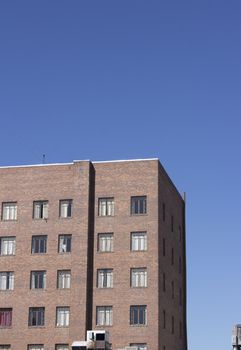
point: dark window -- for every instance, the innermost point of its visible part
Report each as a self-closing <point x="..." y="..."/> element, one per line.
<point x="172" y="223"/>
<point x="180" y="234"/>
<point x="65" y="208"/>
<point x="180" y="329"/>
<point x="172" y="257"/>
<point x="5" y="347"/>
<point x="138" y="205"/>
<point x="172" y="324"/>
<point x="164" y="318"/>
<point x="5" y="318"/>
<point x="65" y="243"/>
<point x="40" y="209"/>
<point x="180" y="265"/>
<point x="138" y="315"/>
<point x="38" y="280"/>
<point x="164" y="282"/>
<point x="172" y="289"/>
<point x="100" y="336"/>
<point x="164" y="247"/>
<point x="180" y="296"/>
<point x="39" y="244"/>
<point x="163" y="211"/>
<point x="36" y="316"/>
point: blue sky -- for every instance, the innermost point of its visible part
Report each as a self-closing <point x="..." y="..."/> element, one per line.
<point x="133" y="79"/>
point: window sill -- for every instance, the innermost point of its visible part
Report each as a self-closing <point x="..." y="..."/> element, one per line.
<point x="62" y="327"/>
<point x="34" y="327"/>
<point x="104" y="325"/>
<point x="9" y="220"/>
<point x="138" y="325"/>
<point x="7" y="254"/>
<point x="65" y="218"/>
<point x="105" y="252"/>
<point x="131" y="215"/>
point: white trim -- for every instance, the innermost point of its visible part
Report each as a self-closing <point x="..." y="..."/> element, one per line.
<point x="32" y="165"/>
<point x="124" y="160"/>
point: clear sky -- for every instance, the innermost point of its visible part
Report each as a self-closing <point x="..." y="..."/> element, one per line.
<point x="104" y="80"/>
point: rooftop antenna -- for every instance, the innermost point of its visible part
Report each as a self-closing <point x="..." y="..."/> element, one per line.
<point x="43" y="159"/>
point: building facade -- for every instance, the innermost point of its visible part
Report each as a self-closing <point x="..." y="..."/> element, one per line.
<point x="92" y="245"/>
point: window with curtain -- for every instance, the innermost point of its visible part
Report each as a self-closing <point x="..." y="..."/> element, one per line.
<point x="40" y="209"/>
<point x="62" y="316"/>
<point x="106" y="206"/>
<point x="39" y="244"/>
<point x="36" y="347"/>
<point x="138" y="205"/>
<point x="5" y="347"/>
<point x="7" y="245"/>
<point x="65" y="243"/>
<point x="139" y="346"/>
<point x="105" y="242"/>
<point x="6" y="280"/>
<point x="138" y="241"/>
<point x="9" y="211"/>
<point x="138" y="315"/>
<point x="139" y="277"/>
<point x="104" y="316"/>
<point x="105" y="278"/>
<point x="65" y="208"/>
<point x="64" y="279"/>
<point x="38" y="280"/>
<point x="36" y="316"/>
<point x="61" y="347"/>
<point x="5" y="317"/>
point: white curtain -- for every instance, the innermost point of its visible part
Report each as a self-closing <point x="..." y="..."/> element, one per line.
<point x="6" y="281"/>
<point x="35" y="347"/>
<point x="139" y="277"/>
<point x="106" y="242"/>
<point x="63" y="317"/>
<point x="105" y="278"/>
<point x="8" y="246"/>
<point x="61" y="347"/>
<point x="64" y="279"/>
<point x="139" y="241"/>
<point x="9" y="212"/>
<point x="104" y="316"/>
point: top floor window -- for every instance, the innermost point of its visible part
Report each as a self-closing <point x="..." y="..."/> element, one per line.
<point x="106" y="206"/>
<point x="9" y="211"/>
<point x="40" y="209"/>
<point x="138" y="205"/>
<point x="65" y="208"/>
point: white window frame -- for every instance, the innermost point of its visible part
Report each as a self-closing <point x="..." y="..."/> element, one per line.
<point x="36" y="347"/>
<point x="9" y="211"/>
<point x="106" y="206"/>
<point x="7" y="245"/>
<point x="6" y="281"/>
<point x="37" y="275"/>
<point x="41" y="210"/>
<point x="105" y="278"/>
<point x="139" y="277"/>
<point x="62" y="316"/>
<point x="64" y="279"/>
<point x="65" y="208"/>
<point x="105" y="242"/>
<point x="104" y="316"/>
<point x="138" y="241"/>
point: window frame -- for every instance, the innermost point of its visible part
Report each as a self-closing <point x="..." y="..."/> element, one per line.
<point x="66" y="312"/>
<point x="107" y="278"/>
<point x="64" y="280"/>
<point x="7" y="319"/>
<point x="105" y="308"/>
<point x="139" y="309"/>
<point x="69" y="208"/>
<point x="9" y="280"/>
<point x="39" y="237"/>
<point x="141" y="270"/>
<point x="109" y="235"/>
<point x="139" y="233"/>
<point x="68" y="245"/>
<point x="40" y="316"/>
<point x="41" y="203"/>
<point x="4" y="205"/>
<point x="8" y="238"/>
<point x="137" y="204"/>
<point x="109" y="209"/>
<point x="38" y="273"/>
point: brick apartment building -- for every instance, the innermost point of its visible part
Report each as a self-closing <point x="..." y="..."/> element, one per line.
<point x="91" y="245"/>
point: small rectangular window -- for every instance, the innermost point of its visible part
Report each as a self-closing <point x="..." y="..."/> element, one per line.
<point x="38" y="280"/>
<point x="172" y="256"/>
<point x="138" y="315"/>
<point x="6" y="280"/>
<point x="40" y="209"/>
<point x="163" y="247"/>
<point x="5" y="317"/>
<point x="139" y="346"/>
<point x="104" y="316"/>
<point x="172" y="223"/>
<point x="138" y="241"/>
<point x="164" y="319"/>
<point x="163" y="211"/>
<point x="65" y="243"/>
<point x="105" y="278"/>
<point x="173" y="325"/>
<point x="172" y="289"/>
<point x="65" y="208"/>
<point x="5" y="347"/>
<point x="180" y="296"/>
<point x="106" y="207"/>
<point x="61" y="347"/>
<point x="7" y="245"/>
<point x="36" y="347"/>
<point x="180" y="265"/>
<point x="9" y="211"/>
<point x="64" y="279"/>
<point x="139" y="277"/>
<point x="105" y="242"/>
<point x="62" y="316"/>
<point x="138" y="205"/>
<point x="180" y="234"/>
<point x="36" y="316"/>
<point x="180" y="330"/>
<point x="39" y="244"/>
<point x="164" y="282"/>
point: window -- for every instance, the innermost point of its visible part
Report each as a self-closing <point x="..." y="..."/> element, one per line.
<point x="106" y="206"/>
<point x="104" y="316"/>
<point x="105" y="278"/>
<point x="36" y="347"/>
<point x="172" y="257"/>
<point x="180" y="265"/>
<point x="39" y="244"/>
<point x="62" y="316"/>
<point x="38" y="280"/>
<point x="138" y="241"/>
<point x="172" y="324"/>
<point x="164" y="282"/>
<point x="172" y="223"/>
<point x="65" y="208"/>
<point x="163" y="211"/>
<point x="180" y="329"/>
<point x="5" y="318"/>
<point x="61" y="347"/>
<point x="65" y="243"/>
<point x="138" y="205"/>
<point x="139" y="346"/>
<point x="172" y="289"/>
<point x="163" y="247"/>
<point x="139" y="277"/>
<point x="5" y="347"/>
<point x="6" y="280"/>
<point x="138" y="315"/>
<point x="105" y="242"/>
<point x="40" y="209"/>
<point x="164" y="318"/>
<point x="180" y="296"/>
<point x="180" y="234"/>
<point x="64" y="279"/>
<point x="36" y="316"/>
<point x="7" y="245"/>
<point x="9" y="211"/>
